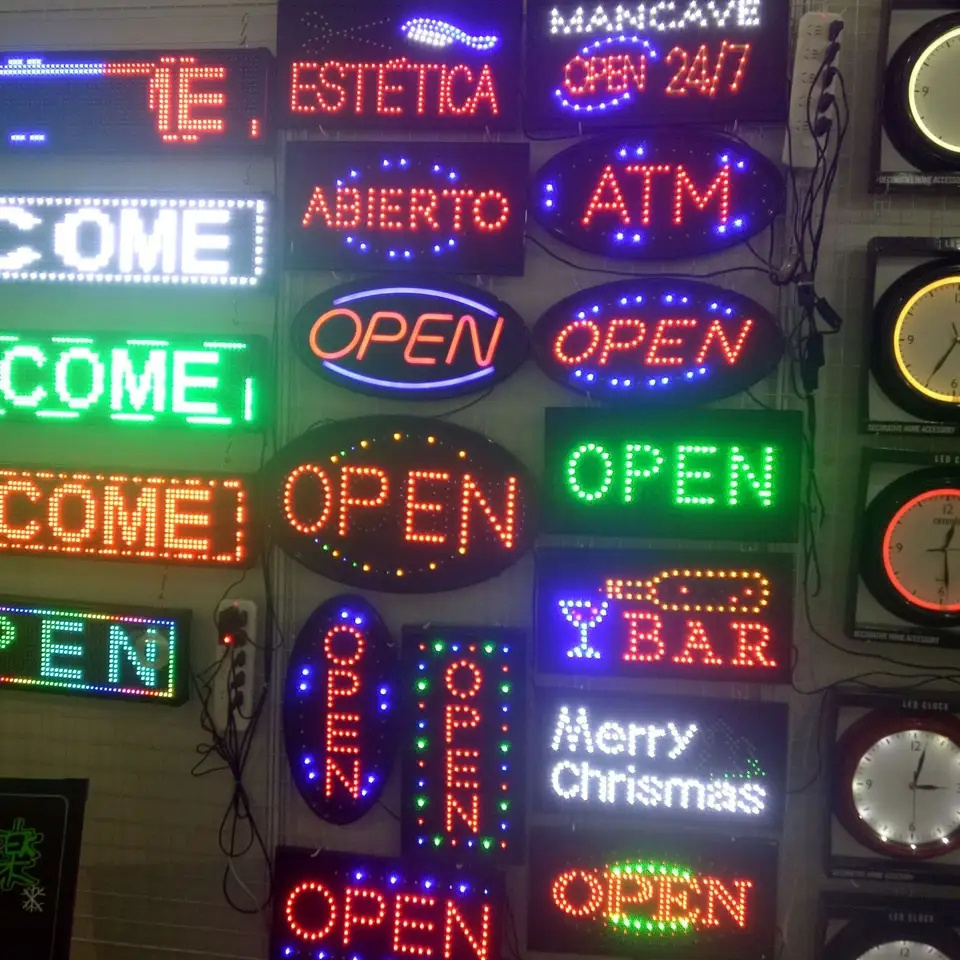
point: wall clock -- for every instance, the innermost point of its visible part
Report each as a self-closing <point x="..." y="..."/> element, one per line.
<point x="916" y="341"/>
<point x="898" y="784"/>
<point x="919" y="98"/>
<point x="910" y="554"/>
<point x="867" y="939"/>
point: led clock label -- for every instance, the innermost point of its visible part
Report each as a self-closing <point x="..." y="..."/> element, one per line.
<point x="134" y="240"/>
<point x="121" y="516"/>
<point x="347" y="905"/>
<point x="695" y="614"/>
<point x="644" y="895"/>
<point x="134" y="101"/>
<point x="659" y="196"/>
<point x="450" y="207"/>
<point x="710" y="475"/>
<point x="401" y="504"/>
<point x="147" y="380"/>
<point x="463" y="782"/>
<point x="99" y="650"/>
<point x="339" y="709"/>
<point x="656" y="341"/>
<point x="416" y="340"/>
<point x="401" y="65"/>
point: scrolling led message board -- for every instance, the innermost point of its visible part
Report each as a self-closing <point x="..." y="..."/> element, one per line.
<point x="463" y="784"/>
<point x="105" y="378"/>
<point x="450" y="207"/>
<point x="709" y="475"/>
<point x="660" y="195"/>
<point x="649" y="759"/>
<point x="419" y="340"/>
<point x="404" y="65"/>
<point x="100" y="650"/>
<point x="657" y="341"/>
<point x="616" y="64"/>
<point x="351" y="906"/>
<point x="651" y="897"/>
<point x="400" y="504"/>
<point x="148" y="517"/>
<point x="695" y="614"/>
<point x="339" y="709"/>
<point x="140" y="101"/>
<point x="217" y="242"/>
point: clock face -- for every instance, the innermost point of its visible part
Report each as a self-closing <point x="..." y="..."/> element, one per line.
<point x="903" y="950"/>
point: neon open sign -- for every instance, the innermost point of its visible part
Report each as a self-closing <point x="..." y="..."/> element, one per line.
<point x="450" y="207"/>
<point x="101" y="650"/>
<point x="646" y="895"/>
<point x="147" y="380"/>
<point x="134" y="240"/>
<point x="463" y="780"/>
<point x="418" y="340"/>
<point x="657" y="341"/>
<point x="724" y="474"/>
<point x="402" y="66"/>
<point x="661" y="195"/>
<point x="616" y="64"/>
<point x="142" y="101"/>
<point x="696" y="614"/>
<point x="113" y="515"/>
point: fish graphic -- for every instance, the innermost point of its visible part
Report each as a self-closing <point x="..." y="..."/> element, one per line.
<point x="438" y="33"/>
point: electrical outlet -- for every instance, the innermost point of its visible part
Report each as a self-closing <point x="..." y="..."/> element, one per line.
<point x="237" y="632"/>
<point x="813" y="42"/>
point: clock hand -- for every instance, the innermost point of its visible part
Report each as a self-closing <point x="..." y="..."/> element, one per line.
<point x="916" y="773"/>
<point x="927" y="786"/>
<point x="941" y="361"/>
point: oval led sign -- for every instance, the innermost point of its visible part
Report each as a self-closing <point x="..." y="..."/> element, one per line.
<point x="415" y="340"/>
<point x="657" y="195"/>
<point x="653" y="340"/>
<point x="340" y="708"/>
<point x="400" y="504"/>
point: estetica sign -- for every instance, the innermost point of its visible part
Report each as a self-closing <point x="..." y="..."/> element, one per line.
<point x="415" y="340"/>
<point x="134" y="240"/>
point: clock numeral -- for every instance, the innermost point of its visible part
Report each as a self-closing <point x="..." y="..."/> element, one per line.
<point x="957" y="299"/>
<point x="899" y="547"/>
<point x="904" y="951"/>
<point x="915" y="746"/>
<point x="948" y="508"/>
<point x="870" y="784"/>
<point x="924" y="91"/>
<point x="913" y="829"/>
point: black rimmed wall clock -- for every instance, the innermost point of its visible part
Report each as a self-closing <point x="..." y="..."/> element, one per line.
<point x="896" y="942"/>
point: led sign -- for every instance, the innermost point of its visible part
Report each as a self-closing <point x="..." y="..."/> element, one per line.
<point x="110" y="379"/>
<point x="133" y="101"/>
<point x="419" y="340"/>
<point x="403" y="65"/>
<point x="661" y="195"/>
<point x="400" y="504"/>
<point x="339" y="709"/>
<point x="148" y="516"/>
<point x="695" y="614"/>
<point x="94" y="649"/>
<point x="649" y="895"/>
<point x="648" y="759"/>
<point x="351" y="906"/>
<point x="709" y="475"/>
<point x="134" y="240"/>
<point x="651" y="340"/>
<point x="612" y="65"/>
<point x="450" y="207"/>
<point x="463" y="777"/>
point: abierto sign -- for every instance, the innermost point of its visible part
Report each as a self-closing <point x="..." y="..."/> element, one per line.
<point x="215" y="242"/>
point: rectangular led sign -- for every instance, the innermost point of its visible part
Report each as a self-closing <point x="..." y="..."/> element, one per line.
<point x="352" y="906"/>
<point x="148" y="380"/>
<point x="705" y="475"/>
<point x="133" y="101"/>
<point x="113" y="515"/>
<point x="649" y="759"/>
<point x="435" y="207"/>
<point x="401" y="65"/>
<point x="649" y="895"/>
<point x="213" y="242"/>
<point x="610" y="64"/>
<point x="660" y="614"/>
<point x="463" y="778"/>
<point x="99" y="650"/>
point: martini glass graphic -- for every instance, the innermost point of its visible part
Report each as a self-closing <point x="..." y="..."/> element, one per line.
<point x="584" y="615"/>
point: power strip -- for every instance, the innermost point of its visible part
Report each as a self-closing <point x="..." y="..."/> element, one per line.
<point x="813" y="39"/>
<point x="237" y="623"/>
